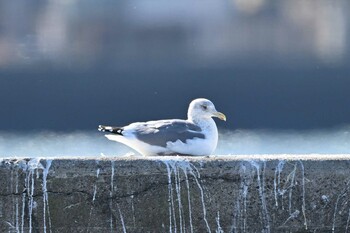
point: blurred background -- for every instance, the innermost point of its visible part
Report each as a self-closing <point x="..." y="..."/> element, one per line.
<point x="279" y="70"/>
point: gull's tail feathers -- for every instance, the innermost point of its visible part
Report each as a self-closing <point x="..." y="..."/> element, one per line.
<point x="111" y="129"/>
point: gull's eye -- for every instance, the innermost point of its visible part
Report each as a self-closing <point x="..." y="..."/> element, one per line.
<point x="204" y="107"/>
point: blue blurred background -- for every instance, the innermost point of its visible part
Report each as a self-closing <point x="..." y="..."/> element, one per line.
<point x="273" y="67"/>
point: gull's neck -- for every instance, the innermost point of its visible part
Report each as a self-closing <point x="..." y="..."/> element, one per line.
<point x="209" y="129"/>
<point x="205" y="123"/>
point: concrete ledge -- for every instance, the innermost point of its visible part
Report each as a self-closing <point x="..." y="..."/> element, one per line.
<point x="300" y="193"/>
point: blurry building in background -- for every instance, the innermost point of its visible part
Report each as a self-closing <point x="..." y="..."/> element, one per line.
<point x="74" y="64"/>
<point x="197" y="33"/>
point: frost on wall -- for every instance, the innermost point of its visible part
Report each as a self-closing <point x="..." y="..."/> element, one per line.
<point x="174" y="194"/>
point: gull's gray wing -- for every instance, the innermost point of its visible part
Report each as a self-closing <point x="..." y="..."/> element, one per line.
<point x="158" y="133"/>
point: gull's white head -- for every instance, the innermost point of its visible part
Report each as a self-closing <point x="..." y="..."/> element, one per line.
<point x="203" y="109"/>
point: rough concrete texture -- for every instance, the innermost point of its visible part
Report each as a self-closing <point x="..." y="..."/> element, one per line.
<point x="174" y="194"/>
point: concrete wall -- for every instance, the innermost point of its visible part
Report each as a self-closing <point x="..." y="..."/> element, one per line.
<point x="175" y="194"/>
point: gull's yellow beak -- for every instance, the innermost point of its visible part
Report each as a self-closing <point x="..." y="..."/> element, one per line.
<point x="220" y="115"/>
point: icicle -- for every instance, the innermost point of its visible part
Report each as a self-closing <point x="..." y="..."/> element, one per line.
<point x="95" y="185"/>
<point x="111" y="195"/>
<point x="219" y="229"/>
<point x="23" y="209"/>
<point x="170" y="199"/>
<point x="303" y="186"/>
<point x="202" y="197"/>
<point x="32" y="167"/>
<point x="244" y="186"/>
<point x="341" y="195"/>
<point x="94" y="193"/>
<point x="291" y="179"/>
<point x="178" y="193"/>
<point x="277" y="179"/>
<point x="261" y="186"/>
<point x="189" y="202"/>
<point x="45" y="195"/>
<point x="240" y="209"/>
<point x="335" y="211"/>
<point x="121" y="219"/>
<point x="13" y="188"/>
<point x="173" y="167"/>
<point x="17" y="205"/>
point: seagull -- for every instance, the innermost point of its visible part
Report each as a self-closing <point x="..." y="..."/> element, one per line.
<point x="196" y="136"/>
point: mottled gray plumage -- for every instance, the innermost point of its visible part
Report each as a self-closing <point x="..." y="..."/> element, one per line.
<point x="160" y="132"/>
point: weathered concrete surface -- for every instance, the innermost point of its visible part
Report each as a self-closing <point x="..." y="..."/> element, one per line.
<point x="172" y="194"/>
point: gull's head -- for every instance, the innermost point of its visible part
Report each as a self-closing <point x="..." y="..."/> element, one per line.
<point x="203" y="109"/>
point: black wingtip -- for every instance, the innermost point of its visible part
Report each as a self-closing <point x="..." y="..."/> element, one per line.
<point x="114" y="130"/>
